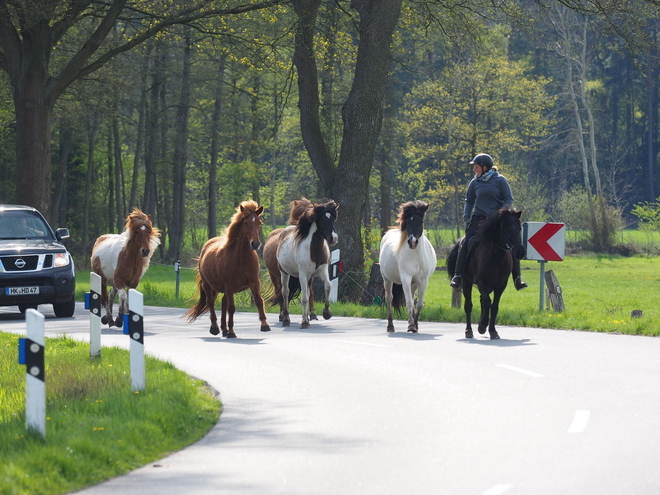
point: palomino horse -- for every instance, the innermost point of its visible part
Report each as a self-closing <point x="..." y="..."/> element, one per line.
<point x="407" y="261"/>
<point x="489" y="265"/>
<point x="298" y="207"/>
<point x="303" y="251"/>
<point x="230" y="264"/>
<point x="122" y="259"/>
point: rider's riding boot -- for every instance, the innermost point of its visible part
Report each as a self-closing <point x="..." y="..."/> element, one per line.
<point x="457" y="279"/>
<point x="518" y="281"/>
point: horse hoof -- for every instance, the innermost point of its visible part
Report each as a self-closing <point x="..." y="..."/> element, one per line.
<point x="265" y="328"/>
<point x="286" y="323"/>
<point x="214" y="330"/>
<point x="304" y="325"/>
<point x="313" y="317"/>
<point x="494" y="336"/>
<point x="119" y="322"/>
<point x="327" y="314"/>
<point x="482" y="330"/>
<point x="231" y="335"/>
<point x="469" y="334"/>
<point x="390" y="328"/>
<point x="104" y="319"/>
<point x="281" y="318"/>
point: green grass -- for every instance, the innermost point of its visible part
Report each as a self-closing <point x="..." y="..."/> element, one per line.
<point x="95" y="427"/>
<point x="600" y="292"/>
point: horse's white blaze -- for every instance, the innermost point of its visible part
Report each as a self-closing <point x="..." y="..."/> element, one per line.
<point x="328" y="215"/>
<point x="143" y="228"/>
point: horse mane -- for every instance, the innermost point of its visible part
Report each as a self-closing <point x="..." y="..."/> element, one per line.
<point x="407" y="209"/>
<point x="308" y="217"/>
<point x="137" y="219"/>
<point x="298" y="208"/>
<point x="490" y="227"/>
<point x="245" y="209"/>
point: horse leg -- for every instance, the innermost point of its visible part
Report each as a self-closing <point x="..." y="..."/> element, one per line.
<point x="104" y="300"/>
<point x="485" y="311"/>
<point x="387" y="285"/>
<point x="421" y="291"/>
<point x="228" y="308"/>
<point x="259" y="302"/>
<point x="210" y="296"/>
<point x="467" y="295"/>
<point x="327" y="285"/>
<point x="108" y="307"/>
<point x="121" y="308"/>
<point x="284" y="313"/>
<point x="312" y="313"/>
<point x="304" y="299"/>
<point x="223" y="315"/>
<point x="494" y="309"/>
<point x="406" y="283"/>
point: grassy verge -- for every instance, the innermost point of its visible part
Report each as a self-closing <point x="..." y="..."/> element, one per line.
<point x="96" y="428"/>
<point x="600" y="292"/>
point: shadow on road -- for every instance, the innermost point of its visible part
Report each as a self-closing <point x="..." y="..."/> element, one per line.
<point x="498" y="343"/>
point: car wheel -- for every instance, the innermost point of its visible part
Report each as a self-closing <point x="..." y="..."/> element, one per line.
<point x="24" y="307"/>
<point x="65" y="309"/>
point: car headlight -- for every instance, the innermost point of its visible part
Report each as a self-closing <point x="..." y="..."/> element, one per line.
<point x="61" y="259"/>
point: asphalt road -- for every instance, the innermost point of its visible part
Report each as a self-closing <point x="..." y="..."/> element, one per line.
<point x="345" y="408"/>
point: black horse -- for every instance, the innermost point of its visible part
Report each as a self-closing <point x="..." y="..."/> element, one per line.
<point x="488" y="266"/>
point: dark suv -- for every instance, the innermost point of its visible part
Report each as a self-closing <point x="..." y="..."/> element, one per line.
<point x="35" y="267"/>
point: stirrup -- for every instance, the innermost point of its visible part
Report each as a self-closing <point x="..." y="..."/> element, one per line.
<point x="456" y="282"/>
<point x="519" y="283"/>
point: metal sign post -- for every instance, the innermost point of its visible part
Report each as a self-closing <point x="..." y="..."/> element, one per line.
<point x="544" y="241"/>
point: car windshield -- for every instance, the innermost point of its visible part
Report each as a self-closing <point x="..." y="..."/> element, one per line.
<point x="16" y="224"/>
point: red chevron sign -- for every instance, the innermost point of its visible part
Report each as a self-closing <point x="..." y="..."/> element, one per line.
<point x="544" y="241"/>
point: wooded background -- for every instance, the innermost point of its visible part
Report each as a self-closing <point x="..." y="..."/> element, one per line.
<point x="186" y="108"/>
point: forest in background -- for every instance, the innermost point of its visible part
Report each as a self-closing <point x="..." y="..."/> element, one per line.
<point x="202" y="116"/>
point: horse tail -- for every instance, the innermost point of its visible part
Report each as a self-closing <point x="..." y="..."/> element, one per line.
<point x="294" y="292"/>
<point x="201" y="306"/>
<point x="451" y="260"/>
<point x="398" y="299"/>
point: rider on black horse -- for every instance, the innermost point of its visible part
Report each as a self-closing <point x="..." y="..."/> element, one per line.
<point x="487" y="192"/>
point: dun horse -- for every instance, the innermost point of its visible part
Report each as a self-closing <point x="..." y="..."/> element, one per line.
<point x="303" y="251"/>
<point x="121" y="260"/>
<point x="298" y="207"/>
<point x="230" y="264"/>
<point x="407" y="261"/>
<point x="489" y="266"/>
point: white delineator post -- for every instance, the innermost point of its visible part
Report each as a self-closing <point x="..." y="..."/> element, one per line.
<point x="135" y="326"/>
<point x="32" y="355"/>
<point x="334" y="274"/>
<point x="94" y="315"/>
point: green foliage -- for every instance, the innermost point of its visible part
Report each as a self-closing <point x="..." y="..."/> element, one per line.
<point x="95" y="427"/>
<point x="648" y="215"/>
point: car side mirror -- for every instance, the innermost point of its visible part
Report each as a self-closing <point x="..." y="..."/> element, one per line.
<point x="62" y="234"/>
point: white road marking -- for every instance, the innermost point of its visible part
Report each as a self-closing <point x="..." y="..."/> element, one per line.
<point x="520" y="370"/>
<point x="361" y="343"/>
<point x="498" y="489"/>
<point x="580" y="421"/>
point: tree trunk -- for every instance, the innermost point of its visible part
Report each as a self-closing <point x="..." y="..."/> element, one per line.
<point x="118" y="181"/>
<point x="347" y="183"/>
<point x="215" y="145"/>
<point x="58" y="212"/>
<point x="91" y="144"/>
<point x="176" y="226"/>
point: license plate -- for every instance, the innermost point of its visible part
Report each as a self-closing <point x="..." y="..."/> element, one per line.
<point x="21" y="291"/>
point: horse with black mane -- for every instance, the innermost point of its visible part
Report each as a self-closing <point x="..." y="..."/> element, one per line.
<point x="230" y="264"/>
<point x="407" y="261"/>
<point x="489" y="265"/>
<point x="303" y="251"/>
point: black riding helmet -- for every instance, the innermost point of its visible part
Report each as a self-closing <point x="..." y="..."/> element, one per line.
<point x="483" y="160"/>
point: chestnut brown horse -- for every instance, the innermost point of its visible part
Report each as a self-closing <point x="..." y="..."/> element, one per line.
<point x="121" y="260"/>
<point x="230" y="264"/>
<point x="298" y="208"/>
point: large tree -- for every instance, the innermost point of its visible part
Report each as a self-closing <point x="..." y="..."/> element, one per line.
<point x="45" y="45"/>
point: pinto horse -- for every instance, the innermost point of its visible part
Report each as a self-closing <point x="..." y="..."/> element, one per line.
<point x="298" y="207"/>
<point x="303" y="251"/>
<point x="121" y="260"/>
<point x="488" y="266"/>
<point x="230" y="264"/>
<point x="407" y="261"/>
